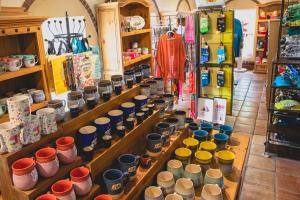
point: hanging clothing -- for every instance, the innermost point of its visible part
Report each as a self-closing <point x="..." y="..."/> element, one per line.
<point x="238" y="35"/>
<point x="190" y="30"/>
<point x="171" y="57"/>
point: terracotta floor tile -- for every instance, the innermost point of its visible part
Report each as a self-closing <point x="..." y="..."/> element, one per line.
<point x="258" y="139"/>
<point x="261" y="162"/>
<point x="288" y="183"/>
<point x="282" y="195"/>
<point x="260" y="123"/>
<point x="236" y="107"/>
<point x="254" y="95"/>
<point x="255" y="192"/>
<point x="240" y="98"/>
<point x="249" y="108"/>
<point x="260" y="177"/>
<point x="230" y="120"/>
<point x="257" y="149"/>
<point x="237" y="102"/>
<point x="250" y="115"/>
<point x="262" y="116"/>
<point x="245" y="120"/>
<point x="235" y="113"/>
<point x="288" y="166"/>
<point x="243" y="128"/>
<point x="260" y="131"/>
<point x="251" y="104"/>
<point x="250" y="99"/>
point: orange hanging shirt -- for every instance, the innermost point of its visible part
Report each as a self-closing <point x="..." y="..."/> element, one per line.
<point x="171" y="57"/>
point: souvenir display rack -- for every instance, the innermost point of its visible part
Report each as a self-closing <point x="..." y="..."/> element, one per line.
<point x="268" y="8"/>
<point x="282" y="141"/>
<point x="113" y="37"/>
<point x="213" y="39"/>
<point x="22" y="35"/>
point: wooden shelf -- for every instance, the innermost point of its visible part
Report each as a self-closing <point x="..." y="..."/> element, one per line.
<point x="266" y="20"/>
<point x="261" y="64"/>
<point x="136" y="60"/>
<point x="22" y="72"/>
<point x="133" y="33"/>
<point x="261" y="35"/>
<point x="144" y="177"/>
<point x="260" y="49"/>
<point x="91" y="195"/>
<point x="34" y="107"/>
<point x="104" y="157"/>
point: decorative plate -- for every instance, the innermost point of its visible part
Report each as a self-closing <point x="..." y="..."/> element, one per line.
<point x="137" y="22"/>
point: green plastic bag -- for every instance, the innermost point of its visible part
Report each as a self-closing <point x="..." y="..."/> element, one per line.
<point x="204" y="24"/>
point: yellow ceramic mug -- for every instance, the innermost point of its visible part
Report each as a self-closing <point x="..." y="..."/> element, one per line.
<point x="183" y="154"/>
<point x="191" y="143"/>
<point x="203" y="157"/>
<point x="225" y="156"/>
<point x="208" y="146"/>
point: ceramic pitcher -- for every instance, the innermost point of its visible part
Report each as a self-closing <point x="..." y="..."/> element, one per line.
<point x="19" y="109"/>
<point x="47" y="117"/>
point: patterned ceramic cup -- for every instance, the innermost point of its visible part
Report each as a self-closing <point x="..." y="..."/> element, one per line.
<point x="19" y="109"/>
<point x="33" y="129"/>
<point x="47" y="117"/>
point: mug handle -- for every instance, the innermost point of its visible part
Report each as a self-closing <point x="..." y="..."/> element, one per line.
<point x="4" y="108"/>
<point x="20" y="64"/>
<point x="137" y="160"/>
<point x="3" y="147"/>
<point x="64" y="103"/>
<point x="22" y="137"/>
<point x="36" y="60"/>
<point x="164" y="139"/>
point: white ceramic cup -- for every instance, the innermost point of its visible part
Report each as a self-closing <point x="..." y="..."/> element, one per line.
<point x="19" y="109"/>
<point x="185" y="188"/>
<point x="47" y="117"/>
<point x="214" y="176"/>
<point x="176" y="168"/>
<point x="211" y="192"/>
<point x="153" y="193"/>
<point x="193" y="172"/>
<point x="166" y="181"/>
<point x="33" y="129"/>
<point x="173" y="197"/>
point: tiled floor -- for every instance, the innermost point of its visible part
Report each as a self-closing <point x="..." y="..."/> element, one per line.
<point x="264" y="178"/>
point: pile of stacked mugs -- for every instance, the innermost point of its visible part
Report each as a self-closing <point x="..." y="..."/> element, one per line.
<point x="15" y="62"/>
<point x="24" y="127"/>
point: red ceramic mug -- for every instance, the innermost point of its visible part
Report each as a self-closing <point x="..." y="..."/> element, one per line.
<point x="63" y="189"/>
<point x="66" y="150"/>
<point x="47" y="162"/>
<point x="46" y="197"/>
<point x="103" y="197"/>
<point x="81" y="180"/>
<point x="24" y="172"/>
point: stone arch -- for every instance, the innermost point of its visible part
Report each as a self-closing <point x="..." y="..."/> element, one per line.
<point x="179" y="2"/>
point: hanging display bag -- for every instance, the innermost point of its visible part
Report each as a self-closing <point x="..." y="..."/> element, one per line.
<point x="221" y="23"/>
<point x="205" y="77"/>
<point x="205" y="53"/>
<point x="221" y="52"/>
<point x="204" y="23"/>
<point x="221" y="78"/>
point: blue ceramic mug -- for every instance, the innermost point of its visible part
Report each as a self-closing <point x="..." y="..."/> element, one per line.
<point x="220" y="139"/>
<point x="173" y="122"/>
<point x="200" y="135"/>
<point x="87" y="136"/>
<point x="103" y="125"/>
<point x="207" y="127"/>
<point x="116" y="118"/>
<point x="115" y="181"/>
<point x="155" y="142"/>
<point x="140" y="102"/>
<point x="227" y="129"/>
<point x="128" y="109"/>
<point x="164" y="129"/>
<point x="129" y="163"/>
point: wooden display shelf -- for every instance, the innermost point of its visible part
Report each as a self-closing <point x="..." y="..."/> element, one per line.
<point x="91" y="195"/>
<point x="260" y="49"/>
<point x="34" y="107"/>
<point x="71" y="125"/>
<point x="261" y="64"/>
<point x="103" y="157"/>
<point x="144" y="177"/>
<point x="22" y="72"/>
<point x="136" y="32"/>
<point x="261" y="35"/>
<point x="136" y="60"/>
<point x="266" y="20"/>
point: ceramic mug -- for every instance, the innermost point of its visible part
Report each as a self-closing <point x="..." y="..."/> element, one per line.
<point x="66" y="149"/>
<point x="128" y="163"/>
<point x="176" y="168"/>
<point x="2" y="109"/>
<point x="19" y="109"/>
<point x="164" y="129"/>
<point x="153" y="86"/>
<point x="115" y="181"/>
<point x="59" y="106"/>
<point x="191" y="143"/>
<point x="153" y="193"/>
<point x="160" y="84"/>
<point x="63" y="190"/>
<point x="46" y="197"/>
<point x="185" y="188"/>
<point x="169" y="100"/>
<point x="225" y="160"/>
<point x="173" y="122"/>
<point x="47" y="162"/>
<point x="30" y="60"/>
<point x="193" y="172"/>
<point x="47" y="117"/>
<point x="145" y="90"/>
<point x="11" y="137"/>
<point x="200" y="135"/>
<point x="140" y="102"/>
<point x="128" y="109"/>
<point x="211" y="192"/>
<point x="12" y="64"/>
<point x="87" y="137"/>
<point x="39" y="96"/>
<point x="180" y="115"/>
<point x="103" y="127"/>
<point x="192" y="127"/>
<point x="145" y="161"/>
<point x="103" y="197"/>
<point x="82" y="182"/>
<point x="165" y="180"/>
<point x="155" y="142"/>
<point x="173" y="197"/>
<point x="207" y="127"/>
<point x="227" y="129"/>
<point x="184" y="155"/>
<point x="33" y="129"/>
<point x="208" y="146"/>
<point x="116" y="118"/>
<point x="221" y="140"/>
<point x="214" y="176"/>
<point x="203" y="157"/>
<point x="25" y="175"/>
<point x="160" y="106"/>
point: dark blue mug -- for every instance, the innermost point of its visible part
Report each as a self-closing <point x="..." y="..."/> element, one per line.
<point x="155" y="142"/>
<point x="200" y="135"/>
<point x="173" y="122"/>
<point x="116" y="118"/>
<point x="164" y="129"/>
<point x="103" y="126"/>
<point x="220" y="139"/>
<point x="128" y="109"/>
<point x="140" y="102"/>
<point x="115" y="181"/>
<point x="227" y="129"/>
<point x="87" y="137"/>
<point x="129" y="163"/>
<point x="207" y="127"/>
